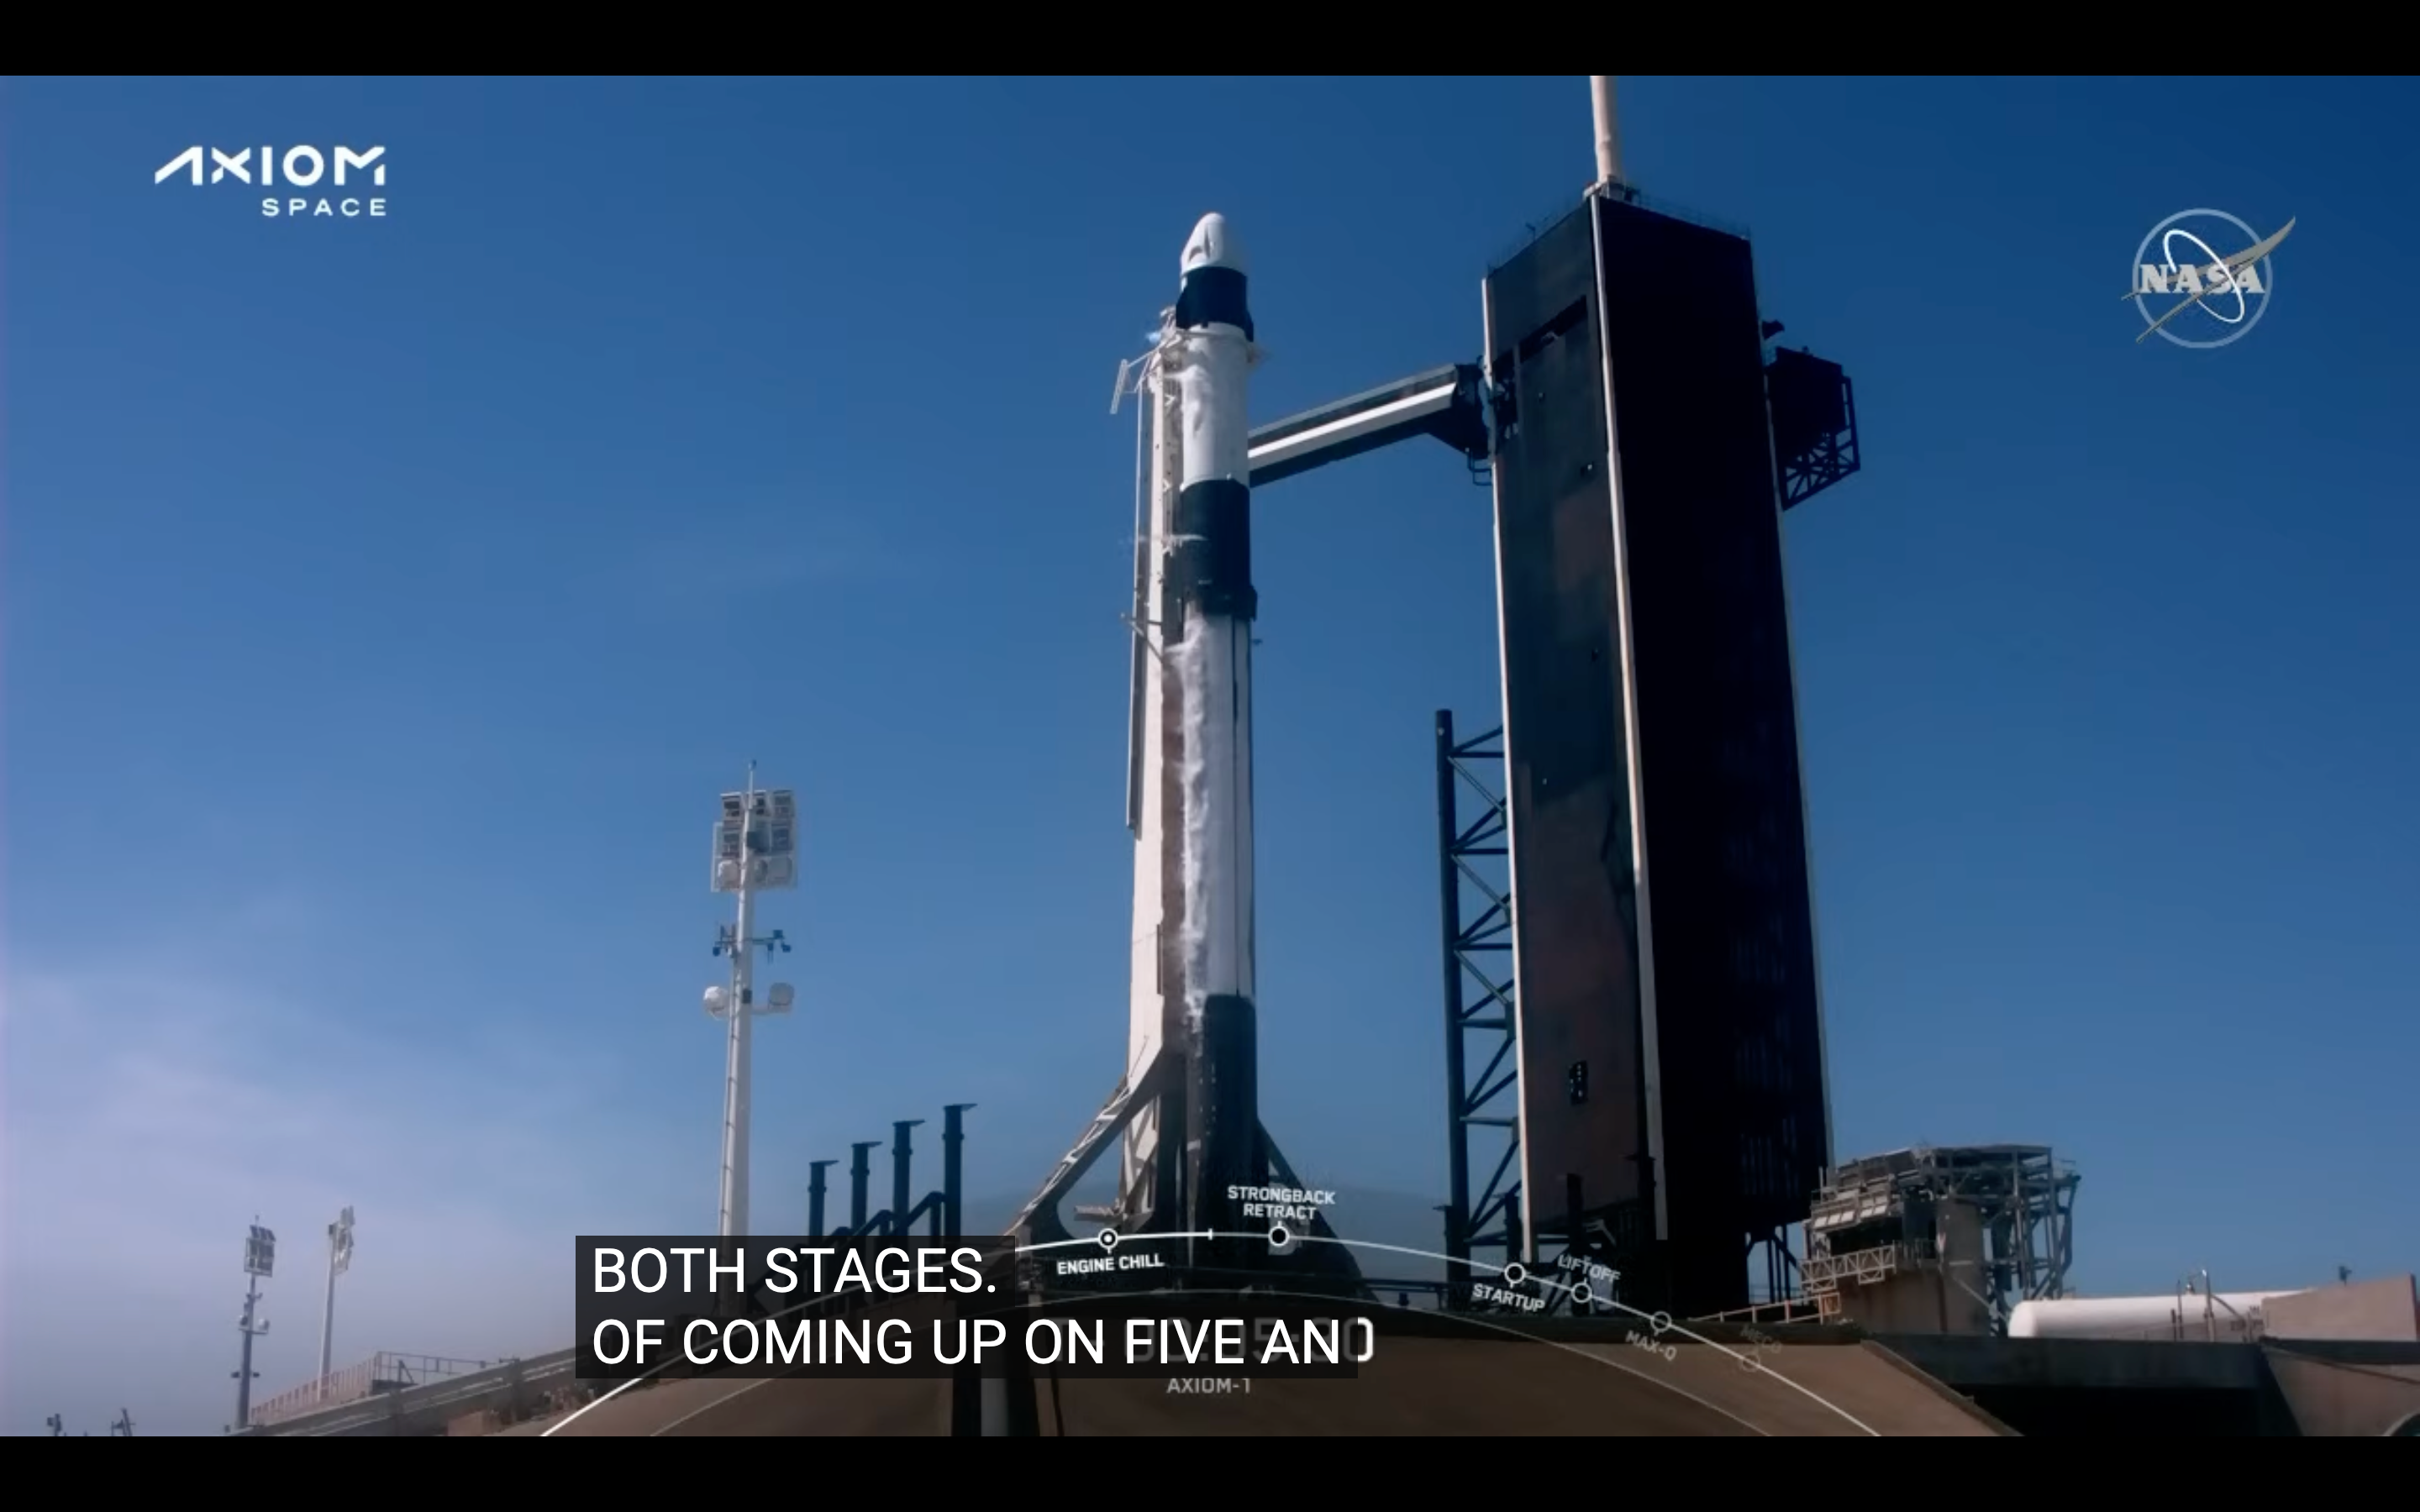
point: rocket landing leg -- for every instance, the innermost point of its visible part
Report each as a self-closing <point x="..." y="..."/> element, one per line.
<point x="1213" y="1162"/>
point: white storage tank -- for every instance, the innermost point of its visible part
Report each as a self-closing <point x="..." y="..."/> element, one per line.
<point x="2233" y="1316"/>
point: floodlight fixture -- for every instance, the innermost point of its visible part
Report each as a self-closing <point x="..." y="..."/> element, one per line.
<point x="756" y="841"/>
<point x="778" y="997"/>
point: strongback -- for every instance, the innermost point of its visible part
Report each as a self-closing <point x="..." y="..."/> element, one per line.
<point x="1672" y="1053"/>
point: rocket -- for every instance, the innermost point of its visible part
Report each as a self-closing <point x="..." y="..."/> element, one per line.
<point x="1190" y="778"/>
<point x="1184" y="1116"/>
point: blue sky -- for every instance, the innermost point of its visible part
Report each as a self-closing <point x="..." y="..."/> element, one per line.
<point x="386" y="602"/>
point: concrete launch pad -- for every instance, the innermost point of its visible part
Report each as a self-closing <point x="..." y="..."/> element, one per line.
<point x="1416" y="1386"/>
<point x="1588" y="1380"/>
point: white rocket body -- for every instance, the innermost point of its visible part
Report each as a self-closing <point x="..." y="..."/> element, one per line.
<point x="1193" y="906"/>
<point x="1215" y="657"/>
<point x="1154" y="973"/>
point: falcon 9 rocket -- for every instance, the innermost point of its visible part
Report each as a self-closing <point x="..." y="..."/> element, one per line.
<point x="1192" y="799"/>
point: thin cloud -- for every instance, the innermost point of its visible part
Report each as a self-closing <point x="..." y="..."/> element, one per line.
<point x="151" y="1116"/>
<point x="741" y="557"/>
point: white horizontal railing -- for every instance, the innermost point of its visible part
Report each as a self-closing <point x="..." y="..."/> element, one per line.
<point x="381" y="1412"/>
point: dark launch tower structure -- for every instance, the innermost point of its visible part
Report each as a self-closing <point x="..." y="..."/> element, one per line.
<point x="1672" y="1114"/>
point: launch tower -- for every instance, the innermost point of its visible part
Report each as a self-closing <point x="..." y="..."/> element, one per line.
<point x="1669" y="1114"/>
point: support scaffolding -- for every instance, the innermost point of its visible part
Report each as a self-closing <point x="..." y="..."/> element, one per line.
<point x="1475" y="898"/>
<point x="1942" y="1240"/>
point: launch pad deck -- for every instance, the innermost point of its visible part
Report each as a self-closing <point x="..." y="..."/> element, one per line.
<point x="1416" y="1385"/>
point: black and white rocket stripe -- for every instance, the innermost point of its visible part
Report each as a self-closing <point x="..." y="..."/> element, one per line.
<point x="1211" y="581"/>
<point x="1214" y="507"/>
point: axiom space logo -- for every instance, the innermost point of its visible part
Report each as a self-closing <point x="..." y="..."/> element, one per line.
<point x="337" y="184"/>
<point x="2206" y="297"/>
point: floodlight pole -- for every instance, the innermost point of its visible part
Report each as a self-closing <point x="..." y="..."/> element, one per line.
<point x="253" y="1328"/>
<point x="748" y="856"/>
<point x="742" y="1009"/>
<point x="340" y="1255"/>
<point x="328" y="1327"/>
<point x="244" y="1374"/>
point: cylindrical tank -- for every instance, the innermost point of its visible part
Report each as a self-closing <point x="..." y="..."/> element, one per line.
<point x="2141" y="1318"/>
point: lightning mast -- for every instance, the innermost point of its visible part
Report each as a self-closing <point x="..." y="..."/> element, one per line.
<point x="1608" y="129"/>
<point x="755" y="847"/>
<point x="340" y="1260"/>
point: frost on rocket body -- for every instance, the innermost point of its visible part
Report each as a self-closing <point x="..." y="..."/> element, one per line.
<point x="1187" y="664"/>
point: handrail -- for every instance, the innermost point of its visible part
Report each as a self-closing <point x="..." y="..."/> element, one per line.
<point x="384" y="1408"/>
<point x="1780" y="1310"/>
<point x="385" y="1371"/>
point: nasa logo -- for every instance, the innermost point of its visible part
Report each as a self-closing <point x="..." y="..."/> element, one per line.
<point x="2218" y="297"/>
<point x="301" y="168"/>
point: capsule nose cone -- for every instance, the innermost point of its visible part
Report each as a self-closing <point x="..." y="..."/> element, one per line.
<point x="1213" y="245"/>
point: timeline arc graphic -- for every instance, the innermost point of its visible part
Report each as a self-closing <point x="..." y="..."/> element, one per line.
<point x="1663" y="1325"/>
